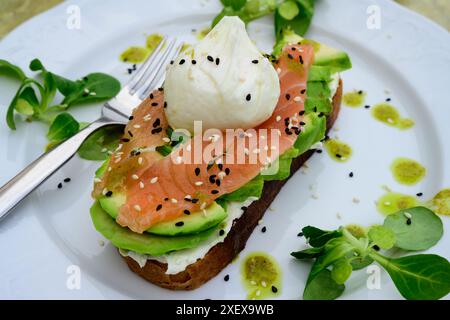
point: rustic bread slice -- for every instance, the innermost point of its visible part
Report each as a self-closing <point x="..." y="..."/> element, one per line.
<point x="223" y="253"/>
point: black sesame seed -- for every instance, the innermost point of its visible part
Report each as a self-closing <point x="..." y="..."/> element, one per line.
<point x="215" y="191"/>
<point x="290" y="56"/>
<point x="152" y="96"/>
<point x="179" y="224"/>
<point x="154" y="104"/>
<point x="409" y="222"/>
<point x="376" y="248"/>
<point x="288" y="132"/>
<point x="217" y="61"/>
<point x="244" y="208"/>
<point x="131" y="118"/>
<point x="159" y="207"/>
<point x="197" y="171"/>
<point x="194" y="201"/>
<point x="161" y="89"/>
<point x="274" y="289"/>
<point x="194" y="62"/>
<point x="293" y="49"/>
<point x="319" y="151"/>
<point x="187" y="212"/>
<point x="157" y="123"/>
<point x="172" y="62"/>
<point x="255" y="61"/>
<point x="212" y="178"/>
<point x="182" y="61"/>
<point x="220" y="166"/>
<point x="367" y="107"/>
<point x="60" y="185"/>
<point x="303" y="91"/>
<point x="351" y="175"/>
<point x="165" y="104"/>
<point x="263" y="230"/>
<point x="300" y="234"/>
<point x="134" y="66"/>
<point x="227" y="171"/>
<point x="338" y="156"/>
<point x="302" y="123"/>
<point x="388" y="99"/>
<point x="218" y="182"/>
<point x="130" y="71"/>
<point x="66" y="180"/>
<point x="288" y="96"/>
<point x="301" y="113"/>
<point x="187" y="199"/>
<point x="109" y="194"/>
<point x="321" y="115"/>
<point x="226" y="278"/>
<point x="301" y="59"/>
<point x="419" y="194"/>
<point x="221" y="232"/>
<point x="157" y="130"/>
<point x="360" y="92"/>
<point x="166" y="199"/>
<point x="211" y="59"/>
<point x="125" y="140"/>
<point x="248" y="97"/>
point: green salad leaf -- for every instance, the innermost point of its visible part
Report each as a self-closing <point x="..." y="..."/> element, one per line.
<point x="98" y="145"/>
<point x="415" y="229"/>
<point x="338" y="253"/>
<point x="34" y="100"/>
<point x="294" y="15"/>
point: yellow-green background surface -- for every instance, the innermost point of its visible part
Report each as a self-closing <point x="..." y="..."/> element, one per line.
<point x="14" y="12"/>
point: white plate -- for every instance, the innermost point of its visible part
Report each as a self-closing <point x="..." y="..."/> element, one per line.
<point x="52" y="230"/>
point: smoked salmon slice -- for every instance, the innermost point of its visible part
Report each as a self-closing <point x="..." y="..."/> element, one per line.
<point x="171" y="187"/>
<point x="146" y="130"/>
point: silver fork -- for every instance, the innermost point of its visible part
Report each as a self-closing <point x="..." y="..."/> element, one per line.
<point x="116" y="111"/>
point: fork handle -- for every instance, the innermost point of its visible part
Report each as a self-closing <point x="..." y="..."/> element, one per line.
<point x="42" y="168"/>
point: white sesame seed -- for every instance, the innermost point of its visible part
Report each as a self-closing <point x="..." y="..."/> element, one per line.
<point x="174" y="200"/>
<point x="140" y="160"/>
<point x="188" y="148"/>
<point x="147" y="117"/>
<point x="297" y="99"/>
<point x="407" y="215"/>
<point x="260" y="221"/>
<point x="258" y="293"/>
<point x="97" y="180"/>
<point x="263" y="284"/>
<point x="154" y="180"/>
<point x="278" y="118"/>
<point x="105" y="191"/>
<point x="253" y="282"/>
<point x="119" y="147"/>
<point x="117" y="160"/>
<point x="203" y="206"/>
<point x="86" y="90"/>
<point x="356" y="200"/>
<point x="101" y="243"/>
<point x="141" y="185"/>
<point x="221" y="175"/>
<point x="135" y="177"/>
<point x="104" y="150"/>
<point x="387" y="203"/>
<point x="93" y="93"/>
<point x="199" y="183"/>
<point x="137" y="207"/>
<point x="165" y="139"/>
<point x="137" y="126"/>
<point x="109" y="169"/>
<point x="278" y="70"/>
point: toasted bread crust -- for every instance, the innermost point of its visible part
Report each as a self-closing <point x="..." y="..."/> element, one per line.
<point x="223" y="253"/>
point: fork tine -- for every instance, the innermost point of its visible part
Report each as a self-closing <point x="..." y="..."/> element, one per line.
<point x="155" y="81"/>
<point x="139" y="75"/>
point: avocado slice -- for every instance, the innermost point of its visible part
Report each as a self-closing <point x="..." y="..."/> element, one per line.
<point x="325" y="55"/>
<point x="153" y="245"/>
<point x="194" y="223"/>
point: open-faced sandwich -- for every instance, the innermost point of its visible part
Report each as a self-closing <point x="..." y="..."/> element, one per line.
<point x="178" y="215"/>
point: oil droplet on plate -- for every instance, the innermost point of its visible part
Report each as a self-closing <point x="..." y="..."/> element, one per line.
<point x="388" y="114"/>
<point x="261" y="276"/>
<point x="354" y="99"/>
<point x="338" y="150"/>
<point x="407" y="171"/>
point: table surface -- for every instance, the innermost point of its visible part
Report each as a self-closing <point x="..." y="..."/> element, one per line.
<point x="14" y="12"/>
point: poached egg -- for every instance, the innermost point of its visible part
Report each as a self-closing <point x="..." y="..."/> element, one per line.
<point x="224" y="81"/>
